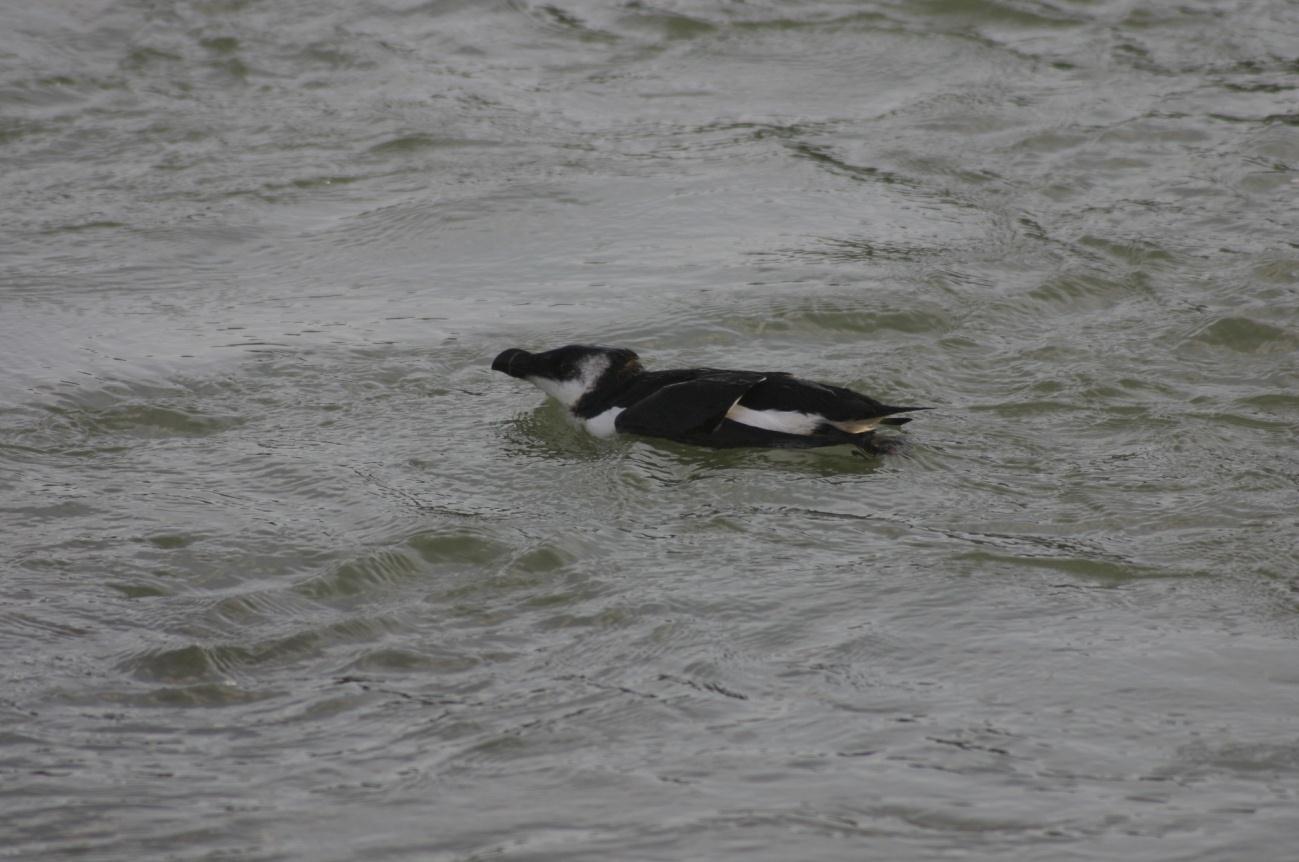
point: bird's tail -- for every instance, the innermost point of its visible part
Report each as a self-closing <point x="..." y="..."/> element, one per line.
<point x="889" y="410"/>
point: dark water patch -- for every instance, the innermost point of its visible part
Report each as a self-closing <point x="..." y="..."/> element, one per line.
<point x="1030" y="407"/>
<point x="1239" y="420"/>
<point x="143" y="58"/>
<point x="1280" y="402"/>
<point x="192" y="663"/>
<point x="199" y="695"/>
<point x="1246" y="335"/>
<point x="977" y="13"/>
<point x="220" y="44"/>
<point x="558" y="20"/>
<point x="147" y="420"/>
<point x="269" y="608"/>
<point x="553" y="582"/>
<point x="1284" y="271"/>
<point x="417" y="142"/>
<point x="38" y="625"/>
<point x="457" y="548"/>
<point x="1081" y="292"/>
<point x="110" y="414"/>
<point x="546" y="432"/>
<point x="829" y="19"/>
<point x="846" y="250"/>
<point x="54" y="91"/>
<point x="327" y="181"/>
<point x="1100" y="571"/>
<point x="88" y="225"/>
<point x="1134" y="252"/>
<point x="839" y="320"/>
<point x="605" y="619"/>
<point x="393" y="660"/>
<point x="52" y="511"/>
<point x="1256" y="760"/>
<point x="865" y="173"/>
<point x="673" y="26"/>
<point x="225" y="663"/>
<point x="367" y="577"/>
<point x="139" y="590"/>
<point x="170" y="541"/>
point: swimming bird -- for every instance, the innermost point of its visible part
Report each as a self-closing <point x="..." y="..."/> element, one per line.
<point x="606" y="390"/>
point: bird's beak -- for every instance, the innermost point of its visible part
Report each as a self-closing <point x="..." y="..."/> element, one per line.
<point x="513" y="362"/>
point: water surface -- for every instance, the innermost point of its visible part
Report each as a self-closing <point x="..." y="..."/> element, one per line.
<point x="288" y="573"/>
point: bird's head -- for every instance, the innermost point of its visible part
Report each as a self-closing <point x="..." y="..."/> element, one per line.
<point x="567" y="373"/>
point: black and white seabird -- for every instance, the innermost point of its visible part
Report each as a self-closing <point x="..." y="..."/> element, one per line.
<point x="607" y="391"/>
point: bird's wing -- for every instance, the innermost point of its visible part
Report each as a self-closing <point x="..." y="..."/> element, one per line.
<point x="695" y="406"/>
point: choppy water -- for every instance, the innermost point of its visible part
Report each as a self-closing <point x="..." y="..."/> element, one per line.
<point x="287" y="573"/>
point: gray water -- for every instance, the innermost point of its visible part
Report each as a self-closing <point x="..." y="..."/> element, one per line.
<point x="288" y="573"/>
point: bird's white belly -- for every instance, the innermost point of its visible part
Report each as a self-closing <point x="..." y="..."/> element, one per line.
<point x="786" y="421"/>
<point x="601" y="425"/>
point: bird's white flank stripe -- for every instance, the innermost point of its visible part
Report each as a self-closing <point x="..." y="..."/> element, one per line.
<point x="787" y="421"/>
<point x="601" y="425"/>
